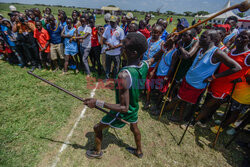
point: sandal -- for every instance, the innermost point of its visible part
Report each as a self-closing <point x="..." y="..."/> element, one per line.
<point x="133" y="151"/>
<point x="93" y="154"/>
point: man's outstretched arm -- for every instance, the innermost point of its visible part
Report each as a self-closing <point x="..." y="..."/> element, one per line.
<point x="123" y="86"/>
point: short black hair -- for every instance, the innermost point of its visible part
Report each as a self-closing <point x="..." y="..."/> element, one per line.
<point x="213" y="34"/>
<point x="136" y="26"/>
<point x="233" y="18"/>
<point x="193" y="33"/>
<point x="137" y="42"/>
<point x="63" y="14"/>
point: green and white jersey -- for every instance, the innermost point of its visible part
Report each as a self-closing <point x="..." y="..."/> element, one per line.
<point x="137" y="78"/>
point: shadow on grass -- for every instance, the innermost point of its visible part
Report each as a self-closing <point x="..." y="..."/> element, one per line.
<point x="108" y="138"/>
<point x="233" y="154"/>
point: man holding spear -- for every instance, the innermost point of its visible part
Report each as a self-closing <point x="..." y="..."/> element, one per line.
<point x="130" y="80"/>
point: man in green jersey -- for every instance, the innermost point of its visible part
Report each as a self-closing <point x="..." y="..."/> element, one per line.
<point x="129" y="81"/>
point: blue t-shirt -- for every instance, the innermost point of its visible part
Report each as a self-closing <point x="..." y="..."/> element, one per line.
<point x="9" y="35"/>
<point x="55" y="33"/>
<point x="164" y="35"/>
<point x="201" y="68"/>
<point x="153" y="48"/>
<point x="165" y="63"/>
<point x="70" y="46"/>
<point x="63" y="24"/>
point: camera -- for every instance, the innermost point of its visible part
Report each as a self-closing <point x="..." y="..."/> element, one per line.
<point x="21" y="19"/>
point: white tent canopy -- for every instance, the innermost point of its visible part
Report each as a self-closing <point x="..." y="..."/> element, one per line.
<point x="244" y="23"/>
<point x="220" y="19"/>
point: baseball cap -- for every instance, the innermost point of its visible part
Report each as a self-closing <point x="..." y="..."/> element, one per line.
<point x="12" y="8"/>
<point x="129" y="15"/>
<point x="113" y="18"/>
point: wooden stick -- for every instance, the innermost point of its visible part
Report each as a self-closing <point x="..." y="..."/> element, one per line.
<point x="244" y="6"/>
<point x="162" y="108"/>
<point x="226" y="112"/>
<point x="77" y="97"/>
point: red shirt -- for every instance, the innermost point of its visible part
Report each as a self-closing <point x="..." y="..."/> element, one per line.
<point x="226" y="26"/>
<point x="145" y="32"/>
<point x="94" y="37"/>
<point x="6" y="50"/>
<point x="224" y="84"/>
<point x="42" y="37"/>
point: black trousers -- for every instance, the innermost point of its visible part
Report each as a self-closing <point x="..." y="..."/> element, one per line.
<point x="31" y="53"/>
<point x="95" y="57"/>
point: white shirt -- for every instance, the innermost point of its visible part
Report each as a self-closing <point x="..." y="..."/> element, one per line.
<point x="114" y="37"/>
<point x="81" y="32"/>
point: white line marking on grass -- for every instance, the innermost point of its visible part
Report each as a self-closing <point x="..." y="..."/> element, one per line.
<point x="66" y="142"/>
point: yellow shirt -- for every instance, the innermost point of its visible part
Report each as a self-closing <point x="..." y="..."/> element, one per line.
<point x="242" y="92"/>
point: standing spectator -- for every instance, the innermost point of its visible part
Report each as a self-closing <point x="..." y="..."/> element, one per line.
<point x="129" y="18"/>
<point x="164" y="35"/>
<point x="193" y="22"/>
<point x="84" y="36"/>
<point x="55" y="30"/>
<point x="113" y="36"/>
<point x="26" y="40"/>
<point x="171" y="20"/>
<point x="62" y="18"/>
<point x="147" y="19"/>
<point x="107" y="19"/>
<point x="39" y="17"/>
<point x="95" y="46"/>
<point x="11" y="39"/>
<point x="118" y="20"/>
<point x="123" y="20"/>
<point x="42" y="38"/>
<point x="47" y="11"/>
<point x="143" y="29"/>
<point x="75" y="21"/>
<point x="5" y="52"/>
<point x="69" y="34"/>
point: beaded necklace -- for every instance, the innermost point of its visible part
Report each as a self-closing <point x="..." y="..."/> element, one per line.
<point x="151" y="49"/>
<point x="201" y="55"/>
<point x="54" y="29"/>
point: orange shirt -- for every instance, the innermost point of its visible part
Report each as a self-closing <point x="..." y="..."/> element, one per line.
<point x="224" y="84"/>
<point x="42" y="37"/>
<point x="26" y="28"/>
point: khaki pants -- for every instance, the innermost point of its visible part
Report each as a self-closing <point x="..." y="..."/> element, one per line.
<point x="56" y="49"/>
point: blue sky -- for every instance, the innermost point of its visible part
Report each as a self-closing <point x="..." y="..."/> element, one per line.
<point x="178" y="6"/>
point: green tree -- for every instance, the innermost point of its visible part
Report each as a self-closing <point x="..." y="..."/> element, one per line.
<point x="188" y="13"/>
<point x="111" y="6"/>
<point x="241" y="14"/>
<point x="170" y="12"/>
<point x="202" y="13"/>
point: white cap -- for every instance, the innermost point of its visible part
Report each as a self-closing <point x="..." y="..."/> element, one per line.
<point x="107" y="16"/>
<point x="12" y="8"/>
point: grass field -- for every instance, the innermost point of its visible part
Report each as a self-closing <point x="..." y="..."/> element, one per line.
<point x="35" y="120"/>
